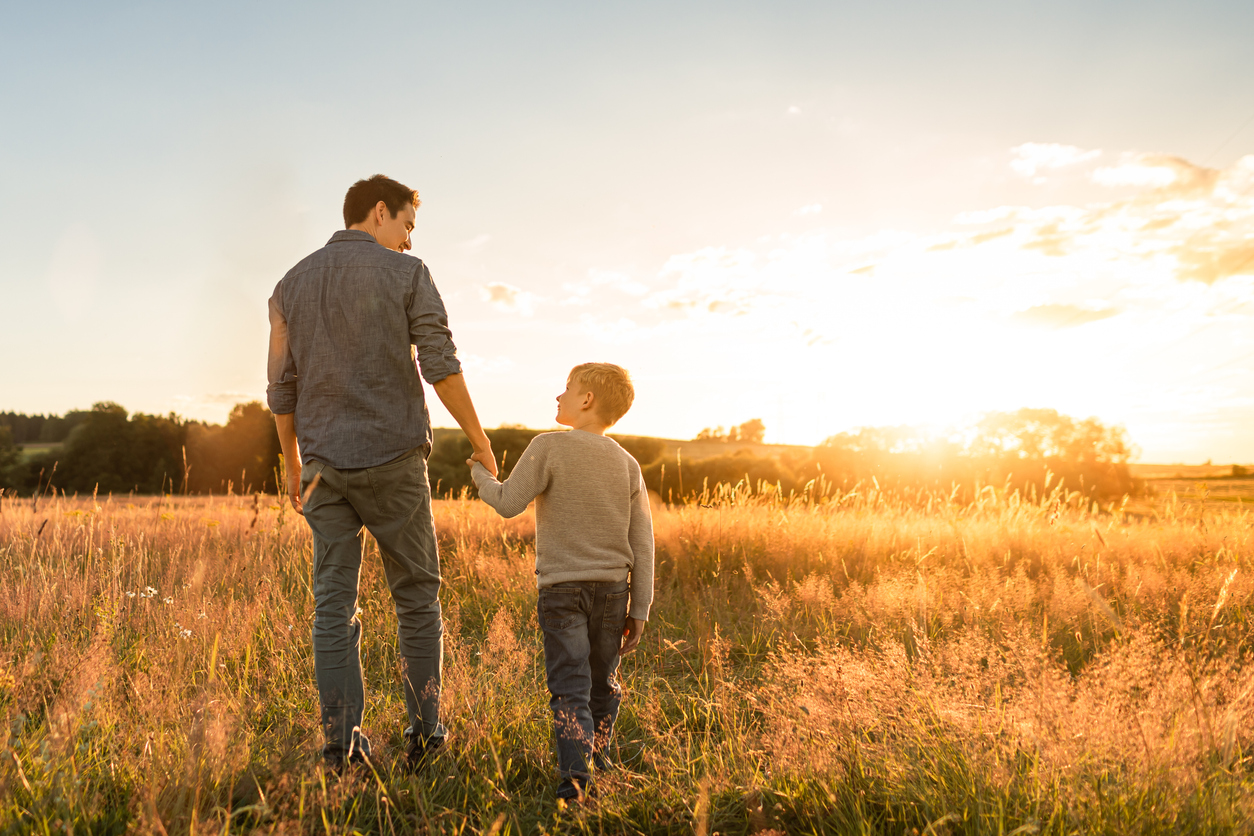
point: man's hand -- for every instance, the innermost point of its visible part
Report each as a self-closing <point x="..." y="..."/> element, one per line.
<point x="293" y="486"/>
<point x="485" y="458"/>
<point x="285" y="426"/>
<point x="632" y="631"/>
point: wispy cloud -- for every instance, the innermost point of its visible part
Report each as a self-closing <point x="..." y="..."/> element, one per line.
<point x="1031" y="158"/>
<point x="1063" y="316"/>
<point x="1158" y="171"/>
<point x="476" y="242"/>
<point x="509" y="298"/>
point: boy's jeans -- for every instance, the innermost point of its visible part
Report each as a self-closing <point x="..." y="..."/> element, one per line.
<point x="393" y="502"/>
<point x="583" y="629"/>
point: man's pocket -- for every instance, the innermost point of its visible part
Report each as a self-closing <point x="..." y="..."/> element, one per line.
<point x="400" y="486"/>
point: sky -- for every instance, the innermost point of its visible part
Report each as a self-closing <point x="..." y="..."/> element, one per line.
<point x="826" y="215"/>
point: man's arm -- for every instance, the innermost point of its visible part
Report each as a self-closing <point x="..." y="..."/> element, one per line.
<point x="456" y="399"/>
<point x="286" y="426"/>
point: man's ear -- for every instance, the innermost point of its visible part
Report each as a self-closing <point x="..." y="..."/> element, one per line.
<point x="380" y="212"/>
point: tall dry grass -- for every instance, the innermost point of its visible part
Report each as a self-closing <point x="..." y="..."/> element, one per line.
<point x="839" y="663"/>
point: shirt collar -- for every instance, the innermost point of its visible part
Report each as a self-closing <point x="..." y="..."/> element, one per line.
<point x="344" y="235"/>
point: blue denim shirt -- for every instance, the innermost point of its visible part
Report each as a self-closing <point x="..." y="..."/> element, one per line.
<point x="343" y="326"/>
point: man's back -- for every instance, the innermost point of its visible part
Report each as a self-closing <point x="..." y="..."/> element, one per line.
<point x="343" y="323"/>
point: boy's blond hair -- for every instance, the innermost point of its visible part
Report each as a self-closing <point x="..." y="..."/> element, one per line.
<point x="610" y="386"/>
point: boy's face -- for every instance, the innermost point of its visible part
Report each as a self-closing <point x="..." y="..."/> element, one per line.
<point x="572" y="403"/>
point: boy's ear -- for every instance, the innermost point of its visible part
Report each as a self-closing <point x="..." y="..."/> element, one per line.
<point x="588" y="400"/>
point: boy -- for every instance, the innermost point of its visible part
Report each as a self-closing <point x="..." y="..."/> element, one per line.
<point x="593" y="531"/>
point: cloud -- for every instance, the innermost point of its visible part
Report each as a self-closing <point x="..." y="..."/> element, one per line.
<point x="1030" y="158"/>
<point x="810" y="209"/>
<point x="1158" y="171"/>
<point x="1063" y="316"/>
<point x="476" y="242"/>
<point x="1209" y="265"/>
<point x="582" y="293"/>
<point x="508" y="298"/>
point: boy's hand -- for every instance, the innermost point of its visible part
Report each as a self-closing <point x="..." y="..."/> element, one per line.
<point x="485" y="458"/>
<point x="491" y="465"/>
<point x="632" y="631"/>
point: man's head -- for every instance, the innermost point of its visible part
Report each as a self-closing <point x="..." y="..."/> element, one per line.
<point x="609" y="387"/>
<point x="384" y="208"/>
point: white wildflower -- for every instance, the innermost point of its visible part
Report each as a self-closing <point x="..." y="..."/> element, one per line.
<point x="168" y="600"/>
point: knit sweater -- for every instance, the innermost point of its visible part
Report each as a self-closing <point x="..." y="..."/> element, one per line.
<point x="592" y="511"/>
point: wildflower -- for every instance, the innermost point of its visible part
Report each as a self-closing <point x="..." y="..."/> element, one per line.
<point x="130" y="594"/>
<point x="289" y="628"/>
<point x="148" y="592"/>
<point x="185" y="634"/>
<point x="168" y="600"/>
<point x="201" y="615"/>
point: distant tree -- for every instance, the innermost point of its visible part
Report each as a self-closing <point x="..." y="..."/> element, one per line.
<point x="109" y="453"/>
<point x="241" y="456"/>
<point x="56" y="429"/>
<point x="10" y="455"/>
<point x="751" y="431"/>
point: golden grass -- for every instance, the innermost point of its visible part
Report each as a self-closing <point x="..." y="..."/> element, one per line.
<point x="851" y="664"/>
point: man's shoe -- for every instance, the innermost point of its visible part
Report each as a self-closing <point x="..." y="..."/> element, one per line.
<point x="419" y="752"/>
<point x="601" y="762"/>
<point x="574" y="790"/>
<point x="338" y="765"/>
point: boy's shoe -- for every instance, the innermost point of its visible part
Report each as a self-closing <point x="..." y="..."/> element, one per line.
<point x="574" y="790"/>
<point x="419" y="752"/>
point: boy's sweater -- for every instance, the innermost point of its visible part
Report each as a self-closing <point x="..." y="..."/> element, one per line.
<point x="592" y="511"/>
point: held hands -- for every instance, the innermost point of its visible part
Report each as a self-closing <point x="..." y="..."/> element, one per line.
<point x="632" y="631"/>
<point x="485" y="458"/>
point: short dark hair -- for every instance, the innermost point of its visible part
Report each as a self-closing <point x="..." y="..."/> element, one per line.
<point x="364" y="195"/>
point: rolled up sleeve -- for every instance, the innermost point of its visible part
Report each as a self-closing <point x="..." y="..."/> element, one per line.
<point x="280" y="366"/>
<point x="429" y="331"/>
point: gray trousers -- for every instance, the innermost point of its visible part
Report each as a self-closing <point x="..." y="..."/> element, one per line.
<point x="393" y="502"/>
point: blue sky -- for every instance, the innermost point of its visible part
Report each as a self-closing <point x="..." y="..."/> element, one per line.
<point x="763" y="210"/>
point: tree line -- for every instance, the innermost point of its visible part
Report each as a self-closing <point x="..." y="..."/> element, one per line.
<point x="1026" y="450"/>
<point x="107" y="450"/>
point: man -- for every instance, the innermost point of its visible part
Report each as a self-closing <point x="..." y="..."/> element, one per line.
<point x="355" y="432"/>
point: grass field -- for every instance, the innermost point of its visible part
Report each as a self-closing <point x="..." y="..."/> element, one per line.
<point x="1239" y="491"/>
<point x="850" y="665"/>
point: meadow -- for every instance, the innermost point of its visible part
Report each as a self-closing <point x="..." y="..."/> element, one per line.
<point x="839" y="662"/>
